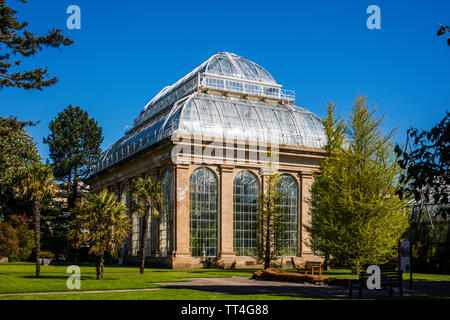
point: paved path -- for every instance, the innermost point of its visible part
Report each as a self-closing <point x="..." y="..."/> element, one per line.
<point x="432" y="288"/>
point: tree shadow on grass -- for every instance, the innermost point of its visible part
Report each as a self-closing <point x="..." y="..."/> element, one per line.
<point x="305" y="291"/>
<point x="65" y="277"/>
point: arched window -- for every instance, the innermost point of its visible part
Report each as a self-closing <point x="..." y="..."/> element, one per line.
<point x="166" y="213"/>
<point x="289" y="204"/>
<point x="203" y="213"/>
<point x="245" y="197"/>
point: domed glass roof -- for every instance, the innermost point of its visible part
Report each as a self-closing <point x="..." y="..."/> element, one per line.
<point x="186" y="109"/>
<point x="231" y="65"/>
<point x="222" y="64"/>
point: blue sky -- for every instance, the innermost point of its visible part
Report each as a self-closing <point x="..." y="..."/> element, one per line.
<point x="126" y="53"/>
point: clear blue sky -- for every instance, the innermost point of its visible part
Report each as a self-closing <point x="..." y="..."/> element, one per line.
<point x="125" y="53"/>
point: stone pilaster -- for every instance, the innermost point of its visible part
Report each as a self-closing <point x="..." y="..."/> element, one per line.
<point x="181" y="216"/>
<point x="306" y="184"/>
<point x="226" y="249"/>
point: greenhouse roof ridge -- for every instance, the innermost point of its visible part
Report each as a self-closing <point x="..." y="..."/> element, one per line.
<point x="249" y="78"/>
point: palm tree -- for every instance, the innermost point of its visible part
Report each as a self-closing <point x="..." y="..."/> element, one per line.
<point x="149" y="197"/>
<point x="101" y="223"/>
<point x="36" y="182"/>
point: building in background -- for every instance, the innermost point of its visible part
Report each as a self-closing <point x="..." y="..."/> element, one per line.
<point x="210" y="138"/>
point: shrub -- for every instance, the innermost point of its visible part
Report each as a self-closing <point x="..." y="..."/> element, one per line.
<point x="25" y="236"/>
<point x="47" y="255"/>
<point x="9" y="242"/>
<point x="16" y="239"/>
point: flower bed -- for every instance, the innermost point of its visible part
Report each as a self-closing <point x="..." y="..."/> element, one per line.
<point x="279" y="275"/>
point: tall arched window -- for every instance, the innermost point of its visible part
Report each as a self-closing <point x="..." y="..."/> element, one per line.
<point x="245" y="196"/>
<point x="166" y="213"/>
<point x="203" y="213"/>
<point x="289" y="204"/>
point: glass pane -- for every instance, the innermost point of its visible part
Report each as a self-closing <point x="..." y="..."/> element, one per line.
<point x="203" y="213"/>
<point x="245" y="197"/>
<point x="167" y="213"/>
<point x="289" y="204"/>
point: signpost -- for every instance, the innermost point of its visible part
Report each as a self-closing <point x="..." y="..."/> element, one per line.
<point x="405" y="258"/>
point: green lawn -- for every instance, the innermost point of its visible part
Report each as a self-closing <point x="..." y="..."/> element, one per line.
<point x="164" y="294"/>
<point x="19" y="278"/>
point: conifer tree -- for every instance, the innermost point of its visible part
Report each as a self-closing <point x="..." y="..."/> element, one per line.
<point x="357" y="217"/>
<point x="17" y="43"/>
<point x="74" y="144"/>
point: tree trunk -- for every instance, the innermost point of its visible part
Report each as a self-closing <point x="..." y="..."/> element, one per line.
<point x="70" y="202"/>
<point x="326" y="263"/>
<point x="75" y="187"/>
<point x="267" y="244"/>
<point x="37" y="232"/>
<point x="100" y="265"/>
<point x="144" y="240"/>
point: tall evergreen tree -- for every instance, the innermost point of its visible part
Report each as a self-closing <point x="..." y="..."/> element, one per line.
<point x="74" y="144"/>
<point x="357" y="216"/>
<point x="334" y="129"/>
<point x="16" y="43"/>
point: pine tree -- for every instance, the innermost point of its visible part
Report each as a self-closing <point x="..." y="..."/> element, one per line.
<point x="357" y="216"/>
<point x="74" y="144"/>
<point x="15" y="43"/>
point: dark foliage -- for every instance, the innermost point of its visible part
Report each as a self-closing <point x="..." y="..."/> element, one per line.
<point x="74" y="144"/>
<point x="17" y="43"/>
<point x="427" y="165"/>
<point x="442" y="30"/>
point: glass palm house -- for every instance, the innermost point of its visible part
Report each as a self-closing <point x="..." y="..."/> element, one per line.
<point x="210" y="139"/>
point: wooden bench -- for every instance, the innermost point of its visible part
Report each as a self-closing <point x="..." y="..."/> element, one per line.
<point x="311" y="266"/>
<point x="389" y="279"/>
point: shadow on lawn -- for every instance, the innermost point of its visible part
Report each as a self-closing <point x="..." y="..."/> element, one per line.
<point x="294" y="291"/>
<point x="65" y="277"/>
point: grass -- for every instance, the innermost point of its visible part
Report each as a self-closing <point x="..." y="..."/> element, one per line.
<point x="19" y="278"/>
<point x="164" y="294"/>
